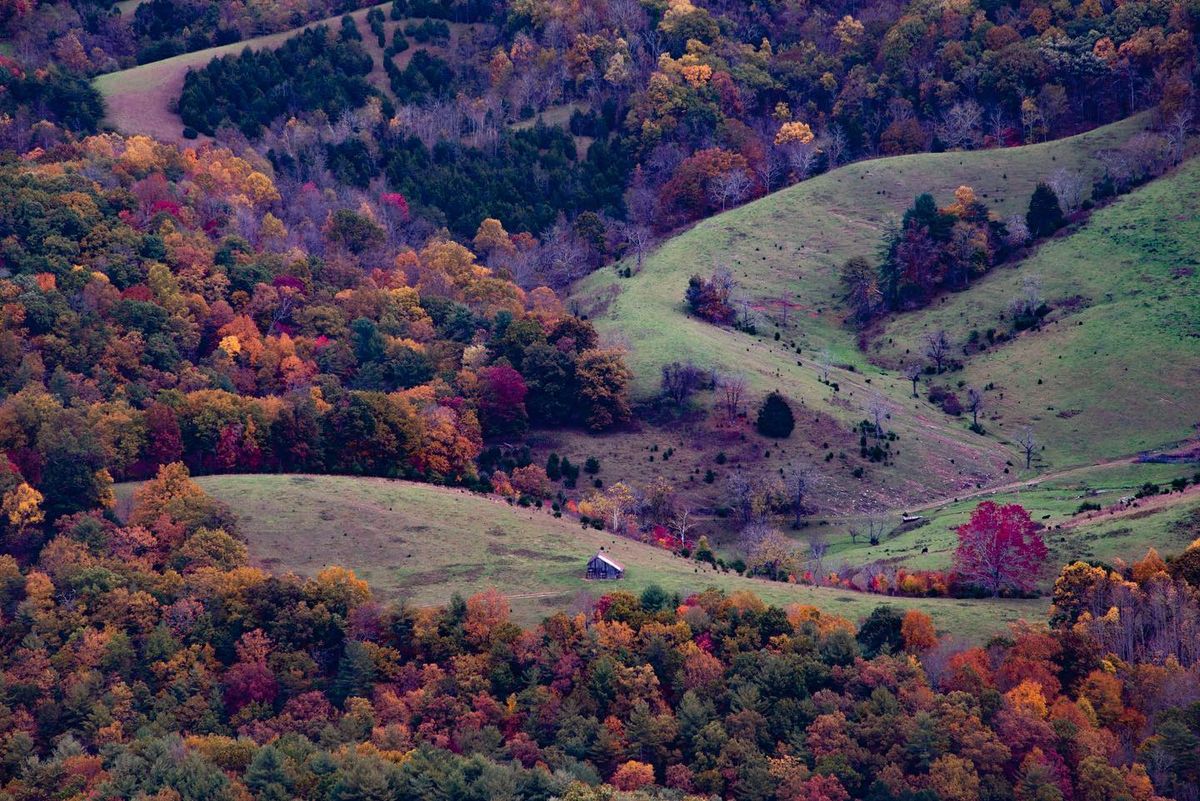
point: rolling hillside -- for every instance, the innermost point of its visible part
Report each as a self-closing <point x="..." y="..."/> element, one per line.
<point x="1114" y="368"/>
<point x="785" y="251"/>
<point x="790" y="245"/>
<point x="1167" y="522"/>
<point x="424" y="543"/>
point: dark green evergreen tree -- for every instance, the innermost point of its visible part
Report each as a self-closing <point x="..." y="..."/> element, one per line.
<point x="880" y="632"/>
<point x="355" y="675"/>
<point x="1045" y="215"/>
<point x="775" y="417"/>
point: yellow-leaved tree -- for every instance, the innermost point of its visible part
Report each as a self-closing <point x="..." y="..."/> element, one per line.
<point x="22" y="507"/>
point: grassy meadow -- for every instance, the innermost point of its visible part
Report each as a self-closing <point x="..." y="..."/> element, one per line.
<point x="789" y="247"/>
<point x="424" y="543"/>
<point x="1167" y="523"/>
<point x="785" y="250"/>
<point x="1115" y="367"/>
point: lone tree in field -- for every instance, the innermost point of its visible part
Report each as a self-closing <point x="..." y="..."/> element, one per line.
<point x="798" y="481"/>
<point x="733" y="391"/>
<point x="1045" y="216"/>
<point x="975" y="404"/>
<point x="912" y="371"/>
<point x="1028" y="444"/>
<point x="878" y="409"/>
<point x="860" y="280"/>
<point x="824" y="364"/>
<point x="1000" y="549"/>
<point x="680" y="380"/>
<point x="937" y="348"/>
<point x="775" y="417"/>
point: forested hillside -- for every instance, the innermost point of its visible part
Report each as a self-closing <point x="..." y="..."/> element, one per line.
<point x="855" y="341"/>
<point x="686" y="108"/>
<point x="145" y="660"/>
<point x="150" y="318"/>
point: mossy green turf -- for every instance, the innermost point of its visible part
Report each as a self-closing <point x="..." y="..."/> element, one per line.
<point x="1118" y="371"/>
<point x="425" y="543"/>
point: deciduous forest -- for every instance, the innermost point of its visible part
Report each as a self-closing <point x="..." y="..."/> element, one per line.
<point x="860" y="339"/>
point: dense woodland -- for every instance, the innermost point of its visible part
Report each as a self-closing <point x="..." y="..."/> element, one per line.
<point x="364" y="278"/>
<point x="144" y="659"/>
<point x="323" y="73"/>
<point x="150" y="318"/>
<point x="682" y="109"/>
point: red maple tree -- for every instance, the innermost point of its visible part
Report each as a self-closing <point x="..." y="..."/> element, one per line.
<point x="999" y="549"/>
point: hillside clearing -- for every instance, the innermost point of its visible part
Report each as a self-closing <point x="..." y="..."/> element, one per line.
<point x="1114" y="367"/>
<point x="785" y="251"/>
<point x="424" y="543"/>
<point x="1114" y="532"/>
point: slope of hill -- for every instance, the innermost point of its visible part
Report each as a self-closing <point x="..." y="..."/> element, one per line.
<point x="1114" y="367"/>
<point x="789" y="246"/>
<point x="424" y="543"/>
<point x="140" y="100"/>
<point x="785" y="251"/>
<point x="1085" y="513"/>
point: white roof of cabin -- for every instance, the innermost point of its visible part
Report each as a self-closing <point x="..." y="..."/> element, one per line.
<point x="608" y="560"/>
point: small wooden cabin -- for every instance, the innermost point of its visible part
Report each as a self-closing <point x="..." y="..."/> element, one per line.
<point x="604" y="568"/>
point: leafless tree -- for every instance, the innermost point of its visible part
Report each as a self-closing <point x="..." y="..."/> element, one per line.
<point x="877" y="407"/>
<point x="1069" y="186"/>
<point x="741" y="495"/>
<point x="877" y="529"/>
<point x="562" y="257"/>
<point x="961" y="127"/>
<point x="824" y="363"/>
<point x="818" y="546"/>
<point x="1017" y="231"/>
<point x="1029" y="301"/>
<point x="912" y="371"/>
<point x="640" y="200"/>
<point x="873" y="528"/>
<point x="1177" y="128"/>
<point x="730" y="188"/>
<point x="798" y="481"/>
<point x="800" y="157"/>
<point x="752" y="534"/>
<point x="742" y="302"/>
<point x="1028" y="443"/>
<point x="682" y="523"/>
<point x="680" y="380"/>
<point x="975" y="402"/>
<point x="769" y="167"/>
<point x="637" y="238"/>
<point x="785" y="308"/>
<point x="997" y="125"/>
<point x="629" y="15"/>
<point x="834" y="144"/>
<point x="1148" y="153"/>
<point x="723" y="281"/>
<point x="937" y="347"/>
<point x="733" y="392"/>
